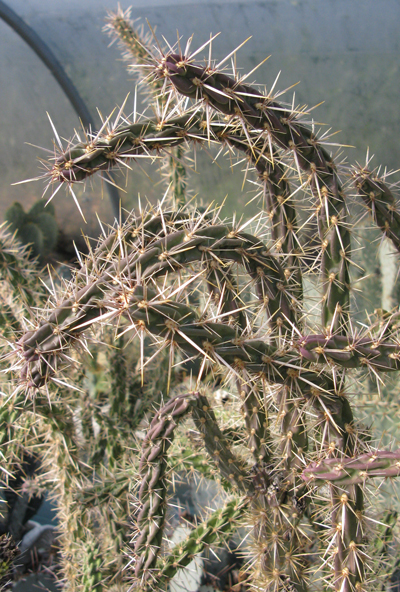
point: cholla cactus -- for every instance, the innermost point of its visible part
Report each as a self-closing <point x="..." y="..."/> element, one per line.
<point x="175" y="286"/>
<point x="37" y="228"/>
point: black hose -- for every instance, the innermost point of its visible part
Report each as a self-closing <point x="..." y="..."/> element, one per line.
<point x="48" y="58"/>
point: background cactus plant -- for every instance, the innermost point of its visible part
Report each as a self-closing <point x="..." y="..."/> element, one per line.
<point x="114" y="375"/>
<point x="37" y="228"/>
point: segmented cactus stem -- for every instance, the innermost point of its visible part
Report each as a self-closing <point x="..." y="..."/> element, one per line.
<point x="216" y="530"/>
<point x="282" y="128"/>
<point x="351" y="471"/>
<point x="380" y="201"/>
<point x="136" y="48"/>
<point x="152" y="494"/>
<point x="45" y="349"/>
<point x="209" y="297"/>
<point x="217" y="447"/>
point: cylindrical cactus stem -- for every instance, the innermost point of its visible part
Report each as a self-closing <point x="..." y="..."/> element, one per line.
<point x="380" y="201"/>
<point x="216" y="530"/>
<point x="197" y="465"/>
<point x="277" y="535"/>
<point x="44" y="347"/>
<point x="92" y="577"/>
<point x="215" y="340"/>
<point x="276" y="201"/>
<point x="176" y="175"/>
<point x="383" y="544"/>
<point x="293" y="430"/>
<point x="162" y="318"/>
<point x="150" y="515"/>
<point x="18" y="275"/>
<point x="347" y="517"/>
<point x="349" y="557"/>
<point x="223" y="289"/>
<point x="282" y="128"/>
<point x="217" y="447"/>
<point x="135" y="233"/>
<point x="339" y="439"/>
<point x="278" y="509"/>
<point x="379" y="464"/>
<point x="108" y="442"/>
<point x="10" y="409"/>
<point x="82" y="160"/>
<point x="107" y="149"/>
<point x="282" y="213"/>
<point x="62" y="439"/>
<point x="89" y="500"/>
<point x="377" y="352"/>
<point x="9" y="324"/>
<point x="119" y="374"/>
<point x="255" y="417"/>
<point x="136" y="48"/>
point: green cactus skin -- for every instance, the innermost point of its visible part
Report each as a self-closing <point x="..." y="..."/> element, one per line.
<point x="31" y="235"/>
<point x="40" y="207"/>
<point x="17" y="274"/>
<point x="37" y="229"/>
<point x="217" y="529"/>
<point x="16" y="217"/>
<point x="49" y="229"/>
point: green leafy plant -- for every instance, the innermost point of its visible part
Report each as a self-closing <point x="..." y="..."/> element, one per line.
<point x="119" y="368"/>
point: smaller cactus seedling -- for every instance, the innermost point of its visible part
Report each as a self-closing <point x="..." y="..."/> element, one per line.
<point x="36" y="228"/>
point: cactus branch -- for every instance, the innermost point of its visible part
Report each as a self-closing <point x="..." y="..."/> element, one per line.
<point x="380" y="201"/>
<point x="351" y="471"/>
<point x="215" y="530"/>
<point x="282" y="127"/>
